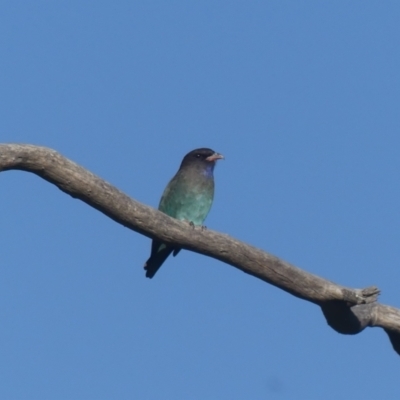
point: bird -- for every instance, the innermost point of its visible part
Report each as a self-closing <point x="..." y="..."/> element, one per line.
<point x="187" y="197"/>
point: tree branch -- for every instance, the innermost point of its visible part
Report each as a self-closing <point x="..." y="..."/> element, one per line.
<point x="346" y="310"/>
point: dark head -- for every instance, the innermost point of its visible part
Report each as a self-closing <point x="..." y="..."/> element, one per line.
<point x="204" y="156"/>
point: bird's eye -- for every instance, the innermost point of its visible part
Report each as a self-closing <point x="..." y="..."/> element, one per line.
<point x="198" y="155"/>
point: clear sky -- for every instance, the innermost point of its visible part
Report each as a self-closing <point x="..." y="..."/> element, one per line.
<point x="302" y="98"/>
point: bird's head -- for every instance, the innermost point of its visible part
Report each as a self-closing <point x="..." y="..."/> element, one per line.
<point x="204" y="156"/>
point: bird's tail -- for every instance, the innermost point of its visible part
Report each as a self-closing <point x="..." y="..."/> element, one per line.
<point x="156" y="260"/>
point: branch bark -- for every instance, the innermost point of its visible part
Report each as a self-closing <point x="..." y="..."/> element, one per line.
<point x="347" y="310"/>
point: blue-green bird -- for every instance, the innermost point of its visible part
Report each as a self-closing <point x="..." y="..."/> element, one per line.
<point x="187" y="197"/>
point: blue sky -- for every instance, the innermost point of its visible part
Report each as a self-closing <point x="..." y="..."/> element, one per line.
<point x="302" y="98"/>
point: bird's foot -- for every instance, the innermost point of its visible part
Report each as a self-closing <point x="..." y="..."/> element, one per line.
<point x="190" y="223"/>
<point x="193" y="226"/>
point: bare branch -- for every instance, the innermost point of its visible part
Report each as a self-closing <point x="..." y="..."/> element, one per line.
<point x="346" y="310"/>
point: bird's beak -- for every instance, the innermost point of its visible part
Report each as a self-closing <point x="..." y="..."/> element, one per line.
<point x="215" y="157"/>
